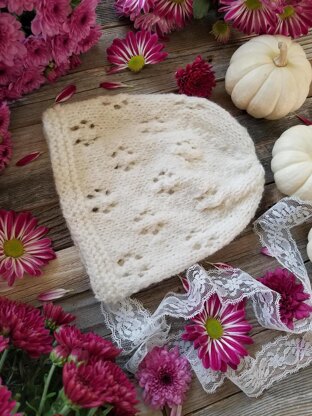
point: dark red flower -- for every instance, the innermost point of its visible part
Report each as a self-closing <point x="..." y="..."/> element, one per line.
<point x="99" y="383"/>
<point x="56" y="316"/>
<point x="24" y="326"/>
<point x="74" y="345"/>
<point x="197" y="79"/>
<point x="6" y="403"/>
<point x="292" y="305"/>
<point x="99" y="347"/>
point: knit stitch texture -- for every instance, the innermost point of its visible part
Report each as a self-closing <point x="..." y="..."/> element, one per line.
<point x="150" y="184"/>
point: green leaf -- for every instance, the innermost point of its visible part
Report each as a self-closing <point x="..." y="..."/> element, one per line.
<point x="200" y="8"/>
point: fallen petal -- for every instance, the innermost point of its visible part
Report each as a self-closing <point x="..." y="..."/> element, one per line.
<point x="28" y="158"/>
<point x="113" y="85"/>
<point x="223" y="266"/>
<point x="53" y="294"/>
<point x="265" y="252"/>
<point x="66" y="93"/>
<point x="185" y="283"/>
<point x="304" y="120"/>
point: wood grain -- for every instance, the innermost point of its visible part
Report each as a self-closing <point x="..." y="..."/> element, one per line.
<point x="32" y="188"/>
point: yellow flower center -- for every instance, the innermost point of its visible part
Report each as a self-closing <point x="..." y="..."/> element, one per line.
<point x="13" y="248"/>
<point x="214" y="328"/>
<point x="221" y="27"/>
<point x="253" y="4"/>
<point x="136" y="63"/>
<point x="178" y="1"/>
<point x="288" y="11"/>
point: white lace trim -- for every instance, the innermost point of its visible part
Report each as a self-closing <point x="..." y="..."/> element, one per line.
<point x="136" y="330"/>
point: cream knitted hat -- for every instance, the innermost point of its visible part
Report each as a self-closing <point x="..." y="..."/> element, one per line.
<point x="150" y="184"/>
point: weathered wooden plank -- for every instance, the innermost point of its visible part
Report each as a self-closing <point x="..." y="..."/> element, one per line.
<point x="290" y="397"/>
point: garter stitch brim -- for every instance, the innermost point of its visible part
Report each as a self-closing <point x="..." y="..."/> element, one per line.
<point x="150" y="184"/>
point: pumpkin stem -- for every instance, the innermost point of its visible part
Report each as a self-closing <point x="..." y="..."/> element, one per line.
<point x="281" y="59"/>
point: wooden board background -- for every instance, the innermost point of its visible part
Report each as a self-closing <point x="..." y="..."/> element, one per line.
<point x="32" y="188"/>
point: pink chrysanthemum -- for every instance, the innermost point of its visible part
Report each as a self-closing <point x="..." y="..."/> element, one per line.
<point x="250" y="16"/>
<point x="180" y="11"/>
<point x="82" y="19"/>
<point x="154" y="23"/>
<point x="23" y="248"/>
<point x="18" y="6"/>
<point x="99" y="383"/>
<point x="38" y="51"/>
<point x="11" y="37"/>
<point x="7" y="405"/>
<point x="9" y="74"/>
<point x="62" y="46"/>
<point x="51" y="17"/>
<point x="197" y="79"/>
<point x="76" y="346"/>
<point x="24" y="326"/>
<point x="85" y="44"/>
<point x="292" y="305"/>
<point x="165" y="376"/>
<point x="294" y="18"/>
<point x="135" y="51"/>
<point x="55" y="316"/>
<point x="219" y="333"/>
<point x="4" y="118"/>
<point x="30" y="79"/>
<point x="132" y="8"/>
<point x="5" y="155"/>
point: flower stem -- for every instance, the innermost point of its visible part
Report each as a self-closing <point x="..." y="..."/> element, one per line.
<point x="45" y="389"/>
<point x="3" y="358"/>
<point x="65" y="409"/>
<point x="91" y="412"/>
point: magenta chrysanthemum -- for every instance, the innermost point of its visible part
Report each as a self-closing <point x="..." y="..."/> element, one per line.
<point x="292" y="304"/>
<point x="24" y="326"/>
<point x="197" y="79"/>
<point x="82" y="19"/>
<point x="154" y="23"/>
<point x="5" y="155"/>
<point x="4" y="118"/>
<point x="7" y="405"/>
<point x="177" y="10"/>
<point x="165" y="376"/>
<point x="219" y="333"/>
<point x="135" y="51"/>
<point x="51" y="17"/>
<point x="250" y="16"/>
<point x="55" y="316"/>
<point x="11" y="37"/>
<point x="22" y="246"/>
<point x="99" y="383"/>
<point x="294" y="18"/>
<point x="133" y="8"/>
<point x="18" y="6"/>
<point x="38" y="51"/>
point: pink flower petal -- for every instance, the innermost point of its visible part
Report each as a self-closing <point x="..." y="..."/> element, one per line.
<point x="113" y="85"/>
<point x="53" y="294"/>
<point x="223" y="266"/>
<point x="265" y="252"/>
<point x="28" y="158"/>
<point x="304" y="120"/>
<point x="66" y="93"/>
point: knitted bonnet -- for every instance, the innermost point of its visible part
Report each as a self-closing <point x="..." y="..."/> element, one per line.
<point x="150" y="184"/>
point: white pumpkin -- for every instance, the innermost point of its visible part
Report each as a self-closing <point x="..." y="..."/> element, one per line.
<point x="309" y="246"/>
<point x="292" y="162"/>
<point x="269" y="77"/>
